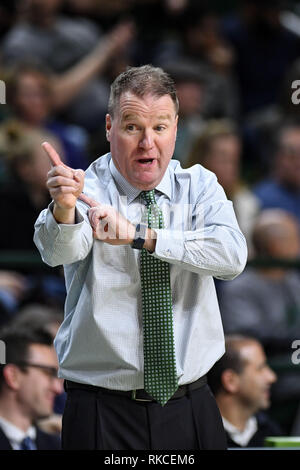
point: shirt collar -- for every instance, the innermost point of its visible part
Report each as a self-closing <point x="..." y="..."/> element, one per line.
<point x="241" y="437"/>
<point x="14" y="434"/>
<point x="131" y="192"/>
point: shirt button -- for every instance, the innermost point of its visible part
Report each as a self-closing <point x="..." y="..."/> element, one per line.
<point x="168" y="252"/>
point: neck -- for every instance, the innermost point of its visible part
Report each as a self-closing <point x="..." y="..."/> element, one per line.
<point x="235" y="412"/>
<point x="13" y="411"/>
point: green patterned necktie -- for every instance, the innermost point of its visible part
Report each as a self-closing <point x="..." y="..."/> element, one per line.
<point x="159" y="350"/>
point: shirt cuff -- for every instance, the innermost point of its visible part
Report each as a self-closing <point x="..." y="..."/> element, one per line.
<point x="63" y="232"/>
<point x="169" y="244"/>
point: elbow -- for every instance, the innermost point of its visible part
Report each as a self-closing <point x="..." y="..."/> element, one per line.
<point x="239" y="258"/>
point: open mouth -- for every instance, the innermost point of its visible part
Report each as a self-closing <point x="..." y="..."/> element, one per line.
<point x="146" y="161"/>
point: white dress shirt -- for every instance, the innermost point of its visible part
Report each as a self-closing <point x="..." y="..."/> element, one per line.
<point x="16" y="435"/>
<point x="100" y="341"/>
<point x="241" y="437"/>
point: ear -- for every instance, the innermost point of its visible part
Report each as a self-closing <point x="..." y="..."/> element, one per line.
<point x="230" y="381"/>
<point x="108" y="124"/>
<point x="12" y="376"/>
<point x="176" y="123"/>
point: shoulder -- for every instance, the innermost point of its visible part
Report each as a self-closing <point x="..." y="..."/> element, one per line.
<point x="264" y="422"/>
<point x="197" y="178"/>
<point x="99" y="170"/>
<point x="47" y="441"/>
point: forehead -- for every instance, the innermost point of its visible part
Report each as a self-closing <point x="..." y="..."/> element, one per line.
<point x="253" y="353"/>
<point x="42" y="354"/>
<point x="148" y="106"/>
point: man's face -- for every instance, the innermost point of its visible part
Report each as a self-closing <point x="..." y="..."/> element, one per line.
<point x="37" y="388"/>
<point x="288" y="159"/>
<point x="223" y="159"/>
<point x="142" y="138"/>
<point x="256" y="378"/>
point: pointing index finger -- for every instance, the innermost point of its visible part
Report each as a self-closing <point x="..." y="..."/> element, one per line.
<point x="52" y="154"/>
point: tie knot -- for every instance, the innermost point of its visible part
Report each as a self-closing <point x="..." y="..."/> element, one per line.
<point x="28" y="444"/>
<point x="149" y="197"/>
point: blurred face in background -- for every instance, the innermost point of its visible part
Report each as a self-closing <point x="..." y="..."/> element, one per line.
<point x="288" y="159"/>
<point x="190" y="96"/>
<point x="223" y="158"/>
<point x="38" y="386"/>
<point x="32" y="100"/>
<point x="255" y="380"/>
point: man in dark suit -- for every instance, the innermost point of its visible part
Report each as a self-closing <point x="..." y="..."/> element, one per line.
<point x="28" y="387"/>
<point x="241" y="382"/>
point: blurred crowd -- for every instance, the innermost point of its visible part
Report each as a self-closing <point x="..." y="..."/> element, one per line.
<point x="235" y="70"/>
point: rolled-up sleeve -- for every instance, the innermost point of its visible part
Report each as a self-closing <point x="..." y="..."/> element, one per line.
<point x="61" y="244"/>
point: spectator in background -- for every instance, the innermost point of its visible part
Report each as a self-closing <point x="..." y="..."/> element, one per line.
<point x="190" y="81"/>
<point x="13" y="290"/>
<point x="28" y="386"/>
<point x="282" y="188"/>
<point x="264" y="50"/>
<point x="218" y="148"/>
<point x="202" y="44"/>
<point x="264" y="302"/>
<point x="241" y="382"/>
<point x="39" y="316"/>
<point x="23" y="196"/>
<point x="31" y="100"/>
<point x="68" y="46"/>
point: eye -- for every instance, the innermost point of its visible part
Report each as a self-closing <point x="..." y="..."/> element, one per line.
<point x="131" y="127"/>
<point x="160" y="128"/>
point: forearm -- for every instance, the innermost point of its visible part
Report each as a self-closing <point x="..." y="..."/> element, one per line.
<point x="66" y="86"/>
<point x="214" y="251"/>
<point x="61" y="244"/>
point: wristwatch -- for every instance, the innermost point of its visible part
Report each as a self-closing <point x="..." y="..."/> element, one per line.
<point x="139" y="237"/>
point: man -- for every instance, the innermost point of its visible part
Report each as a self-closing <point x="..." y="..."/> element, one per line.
<point x="142" y="325"/>
<point x="282" y="188"/>
<point x="264" y="302"/>
<point x="241" y="382"/>
<point x="28" y="387"/>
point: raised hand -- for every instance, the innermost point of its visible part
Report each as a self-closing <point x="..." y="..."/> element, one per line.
<point x="64" y="184"/>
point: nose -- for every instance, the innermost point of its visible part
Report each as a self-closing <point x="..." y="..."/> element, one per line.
<point x="271" y="376"/>
<point x="146" y="141"/>
<point x="57" y="386"/>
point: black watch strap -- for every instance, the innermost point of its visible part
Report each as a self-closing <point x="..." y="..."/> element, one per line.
<point x="140" y="236"/>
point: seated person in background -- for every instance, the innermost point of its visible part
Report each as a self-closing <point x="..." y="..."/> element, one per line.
<point x="74" y="49"/>
<point x="22" y="198"/>
<point x="218" y="148"/>
<point x="31" y="103"/>
<point x="28" y="386"/>
<point x="282" y="188"/>
<point x="241" y="382"/>
<point x="39" y="316"/>
<point x="264" y="302"/>
<point x="13" y="287"/>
